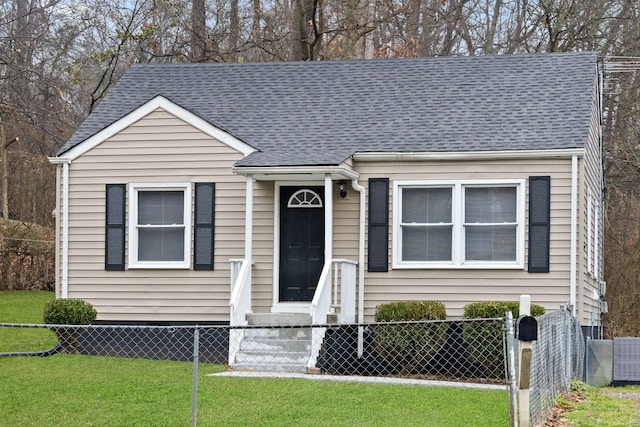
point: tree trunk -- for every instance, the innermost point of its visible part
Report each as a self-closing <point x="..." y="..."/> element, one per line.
<point x="198" y="31"/>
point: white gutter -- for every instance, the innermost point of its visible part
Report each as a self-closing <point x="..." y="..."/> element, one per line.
<point x="64" y="263"/>
<point x="574" y="234"/>
<point x="361" y="225"/>
<point x="467" y="155"/>
<point x="312" y="172"/>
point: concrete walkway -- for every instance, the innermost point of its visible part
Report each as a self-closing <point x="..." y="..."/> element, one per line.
<point x="357" y="378"/>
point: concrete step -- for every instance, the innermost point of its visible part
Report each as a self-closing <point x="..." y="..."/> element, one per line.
<point x="278" y="319"/>
<point x="274" y="367"/>
<point x="262" y="358"/>
<point x="276" y="347"/>
<point x="275" y="344"/>
<point x="278" y="333"/>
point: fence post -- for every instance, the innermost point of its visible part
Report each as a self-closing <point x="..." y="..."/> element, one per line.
<point x="194" y="389"/>
<point x="511" y="370"/>
<point x="568" y="348"/>
<point x="524" y="362"/>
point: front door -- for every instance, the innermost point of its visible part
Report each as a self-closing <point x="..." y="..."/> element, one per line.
<point x="301" y="242"/>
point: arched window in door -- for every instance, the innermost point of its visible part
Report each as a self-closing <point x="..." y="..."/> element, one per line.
<point x="304" y="199"/>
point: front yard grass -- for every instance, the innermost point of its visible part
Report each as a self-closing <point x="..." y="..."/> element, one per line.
<point x="586" y="406"/>
<point x="24" y="307"/>
<point x="76" y="390"/>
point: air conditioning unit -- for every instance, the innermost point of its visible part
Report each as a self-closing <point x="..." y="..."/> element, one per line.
<point x="626" y="361"/>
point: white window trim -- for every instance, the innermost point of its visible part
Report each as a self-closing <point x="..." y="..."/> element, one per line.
<point x="589" y="231"/>
<point x="457" y="207"/>
<point x="134" y="188"/>
<point x="596" y="249"/>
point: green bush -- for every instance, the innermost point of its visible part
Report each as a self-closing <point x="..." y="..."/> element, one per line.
<point x="485" y="340"/>
<point x="406" y="348"/>
<point x="69" y="312"/>
<point x="497" y="309"/>
<point x="410" y="310"/>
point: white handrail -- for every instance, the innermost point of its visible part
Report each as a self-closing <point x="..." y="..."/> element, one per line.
<point x="321" y="303"/>
<point x="239" y="303"/>
<point x="343" y="278"/>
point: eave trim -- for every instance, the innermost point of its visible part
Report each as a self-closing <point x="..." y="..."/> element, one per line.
<point x="159" y="102"/>
<point x="467" y="155"/>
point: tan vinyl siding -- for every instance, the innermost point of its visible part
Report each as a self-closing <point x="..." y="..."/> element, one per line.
<point x="157" y="148"/>
<point x="457" y="287"/>
<point x="591" y="170"/>
<point x="263" y="246"/>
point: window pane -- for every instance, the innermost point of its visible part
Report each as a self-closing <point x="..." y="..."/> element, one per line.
<point x="160" y="244"/>
<point x="426" y="205"/>
<point x="490" y="243"/>
<point x="160" y="207"/>
<point x="490" y="205"/>
<point x="426" y="243"/>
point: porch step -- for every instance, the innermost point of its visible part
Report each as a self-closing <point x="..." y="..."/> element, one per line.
<point x="278" y="319"/>
<point x="274" y="348"/>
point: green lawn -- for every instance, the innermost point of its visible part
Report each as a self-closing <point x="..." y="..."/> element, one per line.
<point x="74" y="390"/>
<point x="602" y="407"/>
<point x="24" y="307"/>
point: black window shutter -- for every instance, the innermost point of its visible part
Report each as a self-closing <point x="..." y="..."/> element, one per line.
<point x="115" y="228"/>
<point x="204" y="220"/>
<point x="378" y="251"/>
<point x="539" y="223"/>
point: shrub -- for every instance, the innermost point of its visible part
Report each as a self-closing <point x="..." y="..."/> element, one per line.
<point x="407" y="348"/>
<point x="410" y="310"/>
<point x="485" y="340"/>
<point x="497" y="309"/>
<point x="69" y="312"/>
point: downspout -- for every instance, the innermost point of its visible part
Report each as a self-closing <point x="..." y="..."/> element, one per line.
<point x="64" y="285"/>
<point x="361" y="225"/>
<point x="574" y="234"/>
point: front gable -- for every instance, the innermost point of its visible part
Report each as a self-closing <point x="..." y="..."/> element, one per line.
<point x="159" y="103"/>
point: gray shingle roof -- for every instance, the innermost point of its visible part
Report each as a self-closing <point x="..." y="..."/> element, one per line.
<point x="320" y="113"/>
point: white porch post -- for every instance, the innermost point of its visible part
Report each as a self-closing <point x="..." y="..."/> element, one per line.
<point x="328" y="219"/>
<point x="248" y="239"/>
<point x="248" y="222"/>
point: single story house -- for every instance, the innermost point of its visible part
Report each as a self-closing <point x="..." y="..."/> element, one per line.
<point x="198" y="193"/>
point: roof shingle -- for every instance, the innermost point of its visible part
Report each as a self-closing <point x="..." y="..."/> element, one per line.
<point x="320" y="113"/>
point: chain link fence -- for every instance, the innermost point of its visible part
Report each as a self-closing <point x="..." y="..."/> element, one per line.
<point x="464" y="351"/>
<point x="557" y="358"/>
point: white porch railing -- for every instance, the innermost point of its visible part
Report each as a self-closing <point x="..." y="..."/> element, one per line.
<point x="344" y="289"/>
<point x="239" y="303"/>
<point x="342" y="286"/>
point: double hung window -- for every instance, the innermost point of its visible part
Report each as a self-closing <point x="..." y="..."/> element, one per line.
<point x="159" y="225"/>
<point x="458" y="224"/>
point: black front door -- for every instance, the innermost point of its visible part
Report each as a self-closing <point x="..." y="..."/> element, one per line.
<point x="301" y="242"/>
